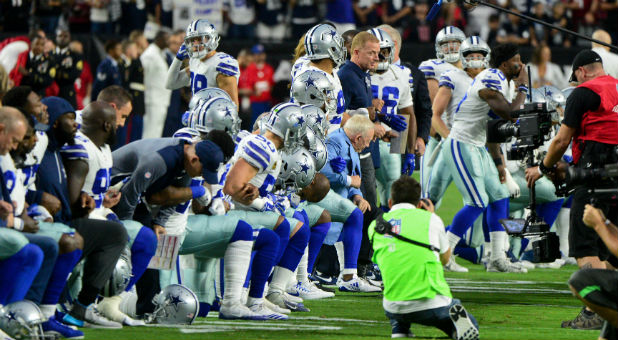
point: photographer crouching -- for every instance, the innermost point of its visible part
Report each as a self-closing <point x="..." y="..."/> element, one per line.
<point x="410" y="247"/>
<point x="591" y="122"/>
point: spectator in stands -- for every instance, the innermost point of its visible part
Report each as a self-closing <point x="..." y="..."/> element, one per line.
<point x="539" y="34"/>
<point x="341" y="14"/>
<point x="348" y="37"/>
<point x="419" y="30"/>
<point x="365" y="12"/>
<point x="156" y="96"/>
<point x="477" y="21"/>
<point x="586" y="27"/>
<point x="270" y="26"/>
<point x="493" y="29"/>
<point x="69" y="66"/>
<point x="133" y="82"/>
<point x="610" y="7"/>
<point x="83" y="84"/>
<point x="240" y="16"/>
<point x="261" y="81"/>
<point x="133" y="16"/>
<point x="108" y="71"/>
<point x="610" y="60"/>
<point x="79" y="17"/>
<point x="559" y="17"/>
<point x="580" y="9"/>
<point x="34" y="68"/>
<point x="543" y="71"/>
<point x="140" y="40"/>
<point x="304" y="16"/>
<point x="100" y="17"/>
<point x="514" y="30"/>
<point x="173" y="120"/>
<point x="451" y="15"/>
<point x="394" y="11"/>
<point x="15" y="15"/>
<point x="245" y="58"/>
<point x="47" y="13"/>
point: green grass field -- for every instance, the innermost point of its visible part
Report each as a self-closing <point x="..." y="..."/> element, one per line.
<point x="507" y="306"/>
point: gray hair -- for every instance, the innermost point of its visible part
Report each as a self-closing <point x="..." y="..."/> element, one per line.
<point x="394" y="33"/>
<point x="10" y="117"/>
<point x="358" y="124"/>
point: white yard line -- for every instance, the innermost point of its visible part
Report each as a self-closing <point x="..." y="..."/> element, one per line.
<point x="267" y="327"/>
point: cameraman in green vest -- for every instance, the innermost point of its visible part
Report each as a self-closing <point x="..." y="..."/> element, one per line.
<point x="410" y="250"/>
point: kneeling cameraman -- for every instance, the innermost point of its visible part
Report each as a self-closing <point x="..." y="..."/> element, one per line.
<point x="598" y="288"/>
<point x="410" y="250"/>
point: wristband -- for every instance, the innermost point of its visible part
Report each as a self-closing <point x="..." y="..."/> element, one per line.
<point x="545" y="170"/>
<point x="18" y="224"/>
<point x="198" y="191"/>
<point x="522" y="88"/>
<point x="498" y="161"/>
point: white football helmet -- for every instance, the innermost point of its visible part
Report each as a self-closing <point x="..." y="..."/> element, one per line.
<point x="554" y="96"/>
<point x="317" y="148"/>
<point x="313" y="87"/>
<point x="175" y="305"/>
<point x="201" y="38"/>
<point x="445" y="35"/>
<point x="322" y="41"/>
<point x="188" y="134"/>
<point x="215" y="114"/>
<point x="474" y="44"/>
<point x="297" y="170"/>
<point x="316" y="120"/>
<point x="207" y="94"/>
<point x="286" y="120"/>
<point x="120" y="276"/>
<point x="386" y="42"/>
<point x="22" y="320"/>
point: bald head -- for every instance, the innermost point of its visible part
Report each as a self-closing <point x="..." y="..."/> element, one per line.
<point x="317" y="190"/>
<point x="97" y="113"/>
<point x="13" y="127"/>
<point x="602" y="36"/>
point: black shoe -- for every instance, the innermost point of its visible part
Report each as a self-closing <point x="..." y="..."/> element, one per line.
<point x="586" y="320"/>
<point x="324" y="288"/>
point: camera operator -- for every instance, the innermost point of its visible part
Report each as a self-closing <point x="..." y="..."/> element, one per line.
<point x="598" y="288"/>
<point x="591" y="122"/>
<point x="410" y="250"/>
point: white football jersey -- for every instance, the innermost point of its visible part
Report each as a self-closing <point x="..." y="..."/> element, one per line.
<point x="393" y="87"/>
<point x="261" y="154"/>
<point x="204" y="73"/>
<point x="458" y="81"/>
<point x="14" y="181"/>
<point x="33" y="159"/>
<point x="433" y="68"/>
<point x="303" y="64"/>
<point x="472" y="112"/>
<point x="100" y="164"/>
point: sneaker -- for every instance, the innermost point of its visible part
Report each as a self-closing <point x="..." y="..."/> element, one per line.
<point x="526" y="264"/>
<point x="373" y="276"/>
<point x="308" y="291"/>
<point x="587" y="320"/>
<point x="403" y="335"/>
<point x="275" y="308"/>
<point x="110" y="308"/>
<point x="238" y="311"/>
<point x="356" y="284"/>
<point x="464" y="328"/>
<point x="505" y="266"/>
<point x="82" y="316"/>
<point x="57" y="329"/>
<point x="268" y="314"/>
<point x="324" y="279"/>
<point x="452" y="266"/>
<point x="280" y="299"/>
<point x="552" y="265"/>
<point x="295" y="299"/>
<point x="401" y="331"/>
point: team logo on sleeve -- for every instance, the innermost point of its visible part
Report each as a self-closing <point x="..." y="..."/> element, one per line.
<point x="396" y="223"/>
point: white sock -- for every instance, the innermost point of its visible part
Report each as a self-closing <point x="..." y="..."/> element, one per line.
<point x="340" y="255"/>
<point x="237" y="257"/>
<point x="497" y="241"/>
<point x="301" y="270"/>
<point x="281" y="276"/>
<point x="452" y="240"/>
<point x="254" y="301"/>
<point x="129" y="302"/>
<point x="562" y="229"/>
<point x="48" y="310"/>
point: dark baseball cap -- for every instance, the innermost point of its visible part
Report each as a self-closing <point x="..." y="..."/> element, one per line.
<point x="583" y="58"/>
<point x="211" y="157"/>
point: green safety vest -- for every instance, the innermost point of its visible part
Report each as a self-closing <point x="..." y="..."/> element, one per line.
<point x="409" y="272"/>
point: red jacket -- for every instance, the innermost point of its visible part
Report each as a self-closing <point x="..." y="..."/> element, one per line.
<point x="260" y="79"/>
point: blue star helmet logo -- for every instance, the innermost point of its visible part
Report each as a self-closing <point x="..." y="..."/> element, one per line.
<point x="228" y="112"/>
<point x="11" y="316"/>
<point x="318" y="119"/>
<point x="332" y="33"/>
<point x="175" y="301"/>
<point x="304" y="168"/>
<point x="309" y="82"/>
<point x="301" y="120"/>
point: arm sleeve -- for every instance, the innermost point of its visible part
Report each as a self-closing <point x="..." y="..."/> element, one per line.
<point x="353" y="192"/>
<point x="422" y="103"/>
<point x="341" y="179"/>
<point x="74" y="152"/>
<point x="34" y="196"/>
<point x="579" y="102"/>
<point x="145" y="174"/>
<point x="176" y="77"/>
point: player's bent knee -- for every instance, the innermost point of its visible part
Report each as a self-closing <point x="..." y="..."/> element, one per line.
<point x="280" y="220"/>
<point x="266" y="238"/>
<point x="148" y="239"/>
<point x="69" y="243"/>
<point x="243" y="232"/>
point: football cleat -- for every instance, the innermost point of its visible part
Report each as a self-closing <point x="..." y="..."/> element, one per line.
<point x="265" y="312"/>
<point x="238" y="311"/>
<point x="356" y="284"/>
<point x="452" y="266"/>
<point x="55" y="328"/>
<point x="82" y="316"/>
<point x="308" y="291"/>
<point x="464" y="328"/>
<point x="281" y="300"/>
<point x="505" y="266"/>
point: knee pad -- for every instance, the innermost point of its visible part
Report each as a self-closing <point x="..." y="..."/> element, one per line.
<point x="266" y="238"/>
<point x="243" y="232"/>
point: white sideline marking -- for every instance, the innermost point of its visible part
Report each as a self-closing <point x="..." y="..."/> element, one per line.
<point x="240" y="326"/>
<point x="490" y="289"/>
<point x="292" y="318"/>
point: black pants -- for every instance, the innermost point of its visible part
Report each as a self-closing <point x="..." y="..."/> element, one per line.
<point x="103" y="243"/>
<point x="599" y="286"/>
<point x="368" y="188"/>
